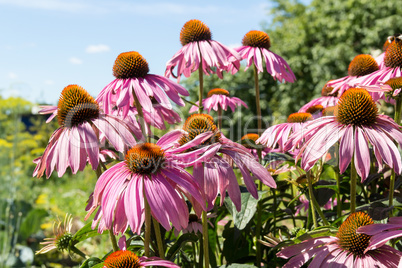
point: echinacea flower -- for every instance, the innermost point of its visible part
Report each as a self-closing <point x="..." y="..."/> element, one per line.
<point x="62" y="236"/>
<point x="382" y="233"/>
<point x="279" y="134"/>
<point x="388" y="90"/>
<point x="219" y="97"/>
<point x="133" y="80"/>
<point x="214" y="173"/>
<point x="200" y="51"/>
<point x="356" y="124"/>
<point x="152" y="171"/>
<point x="327" y="99"/>
<point x="392" y="62"/>
<point x="255" y="49"/>
<point x="82" y="126"/>
<point x="361" y="66"/>
<point x="128" y="259"/>
<point x="347" y="249"/>
<point x="380" y="58"/>
<point x="248" y="141"/>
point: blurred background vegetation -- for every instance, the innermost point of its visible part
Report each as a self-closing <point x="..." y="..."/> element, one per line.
<point x="317" y="40"/>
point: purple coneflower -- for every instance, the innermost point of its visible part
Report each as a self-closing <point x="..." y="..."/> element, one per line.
<point x="82" y="125"/>
<point x="199" y="50"/>
<point x="382" y="233"/>
<point x="128" y="259"/>
<point x="134" y="81"/>
<point x="361" y="66"/>
<point x="248" y="141"/>
<point x="356" y="123"/>
<point x="219" y="98"/>
<point x="327" y="99"/>
<point x="62" y="236"/>
<point x="216" y="175"/>
<point x="392" y="62"/>
<point x="347" y="249"/>
<point x="152" y="171"/>
<point x="255" y="49"/>
<point x="279" y="134"/>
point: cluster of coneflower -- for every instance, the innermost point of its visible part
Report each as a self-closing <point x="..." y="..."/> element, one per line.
<point x="196" y="164"/>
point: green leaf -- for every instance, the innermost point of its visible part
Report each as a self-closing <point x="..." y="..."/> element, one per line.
<point x="189" y="237"/>
<point x="248" y="209"/>
<point x="318" y="232"/>
<point x="92" y="263"/>
<point x="31" y="223"/>
<point x="85" y="233"/>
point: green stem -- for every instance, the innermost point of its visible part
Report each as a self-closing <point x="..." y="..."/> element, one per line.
<point x="194" y="255"/>
<point x="257" y="100"/>
<point x="219" y="117"/>
<point x="338" y="193"/>
<point x="205" y="238"/>
<point x="397" y="117"/>
<point x="140" y="115"/>
<point x="147" y="227"/>
<point x="79" y="252"/>
<point x="113" y="240"/>
<point x="201" y="91"/>
<point x="311" y="197"/>
<point x="274" y="196"/>
<point x="258" y="235"/>
<point x="353" y="183"/>
<point x="159" y="241"/>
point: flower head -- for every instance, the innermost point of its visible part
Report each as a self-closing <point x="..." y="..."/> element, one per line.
<point x="279" y="134"/>
<point x="82" y="126"/>
<point x="355" y="124"/>
<point x="327" y="99"/>
<point x="255" y="49"/>
<point x="219" y="97"/>
<point x="133" y="80"/>
<point x="213" y="170"/>
<point x="392" y="65"/>
<point x="347" y="249"/>
<point x="200" y="51"/>
<point x="62" y="236"/>
<point x="361" y="66"/>
<point x="128" y="259"/>
<point x="152" y="171"/>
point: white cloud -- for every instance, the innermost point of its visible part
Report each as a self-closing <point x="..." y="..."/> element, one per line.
<point x="12" y="75"/>
<point x="75" y="60"/>
<point x="97" y="48"/>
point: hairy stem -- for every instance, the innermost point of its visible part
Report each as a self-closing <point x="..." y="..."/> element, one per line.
<point x="159" y="240"/>
<point x="353" y="184"/>
<point x="205" y="238"/>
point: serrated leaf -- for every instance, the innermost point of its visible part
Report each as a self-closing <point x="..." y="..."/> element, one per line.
<point x="85" y="233"/>
<point x="248" y="209"/>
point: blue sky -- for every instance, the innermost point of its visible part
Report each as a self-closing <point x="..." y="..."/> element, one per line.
<point x="48" y="44"/>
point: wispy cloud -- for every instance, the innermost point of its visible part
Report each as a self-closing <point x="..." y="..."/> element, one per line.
<point x="97" y="48"/>
<point x="12" y="75"/>
<point x="75" y="60"/>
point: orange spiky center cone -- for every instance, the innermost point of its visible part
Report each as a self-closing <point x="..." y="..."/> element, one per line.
<point x="249" y="140"/>
<point x="315" y="108"/>
<point x="326" y="91"/>
<point x="395" y="83"/>
<point x="356" y="107"/>
<point x="76" y="106"/>
<point x="256" y="39"/>
<point x="218" y="91"/>
<point x="349" y="239"/>
<point x="145" y="158"/>
<point x="299" y="117"/>
<point x="329" y="111"/>
<point x="393" y="54"/>
<point x="130" y="65"/>
<point x="193" y="31"/>
<point x="197" y="124"/>
<point x="362" y="65"/>
<point x="122" y="259"/>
